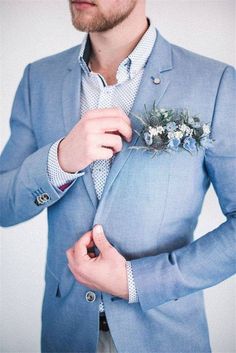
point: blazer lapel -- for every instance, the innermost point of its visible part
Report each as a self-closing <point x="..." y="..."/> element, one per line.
<point x="158" y="65"/>
<point x="71" y="113"/>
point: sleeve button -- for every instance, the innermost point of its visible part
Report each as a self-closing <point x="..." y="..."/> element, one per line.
<point x="41" y="199"/>
<point x="45" y="197"/>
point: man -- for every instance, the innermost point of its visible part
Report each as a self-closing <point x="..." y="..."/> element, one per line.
<point x="123" y="272"/>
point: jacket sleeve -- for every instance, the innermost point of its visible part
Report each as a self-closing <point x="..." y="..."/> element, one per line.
<point x="212" y="258"/>
<point x="25" y="189"/>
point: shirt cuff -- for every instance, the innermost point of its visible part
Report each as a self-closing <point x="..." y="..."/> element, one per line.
<point x="57" y="176"/>
<point x="133" y="294"/>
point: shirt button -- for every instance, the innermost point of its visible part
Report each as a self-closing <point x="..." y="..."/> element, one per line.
<point x="90" y="296"/>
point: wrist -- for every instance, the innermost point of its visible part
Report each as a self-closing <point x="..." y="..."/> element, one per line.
<point x="61" y="159"/>
<point x="65" y="159"/>
<point x="57" y="176"/>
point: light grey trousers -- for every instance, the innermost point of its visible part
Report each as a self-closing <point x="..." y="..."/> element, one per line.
<point x="106" y="344"/>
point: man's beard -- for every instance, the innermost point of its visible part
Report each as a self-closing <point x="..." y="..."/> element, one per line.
<point x="101" y="22"/>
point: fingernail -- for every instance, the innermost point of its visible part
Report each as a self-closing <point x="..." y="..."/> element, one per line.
<point x="99" y="229"/>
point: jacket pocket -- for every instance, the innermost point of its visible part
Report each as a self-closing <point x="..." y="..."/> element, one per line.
<point x="59" y="287"/>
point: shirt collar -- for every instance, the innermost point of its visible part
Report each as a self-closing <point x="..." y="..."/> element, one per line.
<point x="132" y="64"/>
<point x="138" y="57"/>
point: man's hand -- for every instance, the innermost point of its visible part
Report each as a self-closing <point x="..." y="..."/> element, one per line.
<point x="97" y="135"/>
<point x="105" y="272"/>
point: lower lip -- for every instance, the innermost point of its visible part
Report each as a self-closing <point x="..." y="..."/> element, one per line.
<point x="82" y="5"/>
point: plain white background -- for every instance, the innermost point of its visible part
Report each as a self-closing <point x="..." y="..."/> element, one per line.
<point x="34" y="29"/>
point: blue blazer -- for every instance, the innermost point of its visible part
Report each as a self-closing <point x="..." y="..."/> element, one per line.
<point x="149" y="208"/>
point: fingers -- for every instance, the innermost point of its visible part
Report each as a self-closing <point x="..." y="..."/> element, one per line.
<point x="108" y="145"/>
<point x="106" y="113"/>
<point x="70" y="255"/>
<point x="91" y="250"/>
<point x="91" y="244"/>
<point x="113" y="141"/>
<point x="81" y="246"/>
<point x="103" y="153"/>
<point x="100" y="239"/>
<point x="78" y="149"/>
<point x="83" y="250"/>
<point x="80" y="249"/>
<point x="92" y="255"/>
<point x="109" y="120"/>
<point x="114" y="124"/>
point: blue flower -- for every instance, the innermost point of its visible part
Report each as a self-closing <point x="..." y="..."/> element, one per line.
<point x="171" y="126"/>
<point x="148" y="138"/>
<point x="174" y="144"/>
<point x="205" y="142"/>
<point x="189" y="144"/>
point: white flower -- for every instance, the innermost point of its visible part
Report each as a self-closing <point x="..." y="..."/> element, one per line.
<point x="188" y="131"/>
<point x="178" y="134"/>
<point x="171" y="135"/>
<point x="154" y="131"/>
<point x="160" y="129"/>
<point x="206" y="129"/>
<point x="162" y="110"/>
<point x="185" y="129"/>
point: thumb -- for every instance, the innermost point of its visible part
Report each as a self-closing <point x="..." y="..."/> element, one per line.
<point x="100" y="239"/>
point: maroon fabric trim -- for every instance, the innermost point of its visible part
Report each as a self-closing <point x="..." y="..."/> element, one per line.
<point x="65" y="186"/>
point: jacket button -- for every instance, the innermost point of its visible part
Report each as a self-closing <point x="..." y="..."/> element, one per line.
<point x="90" y="296"/>
<point x="41" y="199"/>
<point x="156" y="80"/>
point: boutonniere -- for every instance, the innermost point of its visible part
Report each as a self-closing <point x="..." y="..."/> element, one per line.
<point x="172" y="130"/>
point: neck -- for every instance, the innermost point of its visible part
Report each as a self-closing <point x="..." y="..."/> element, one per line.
<point x="110" y="48"/>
